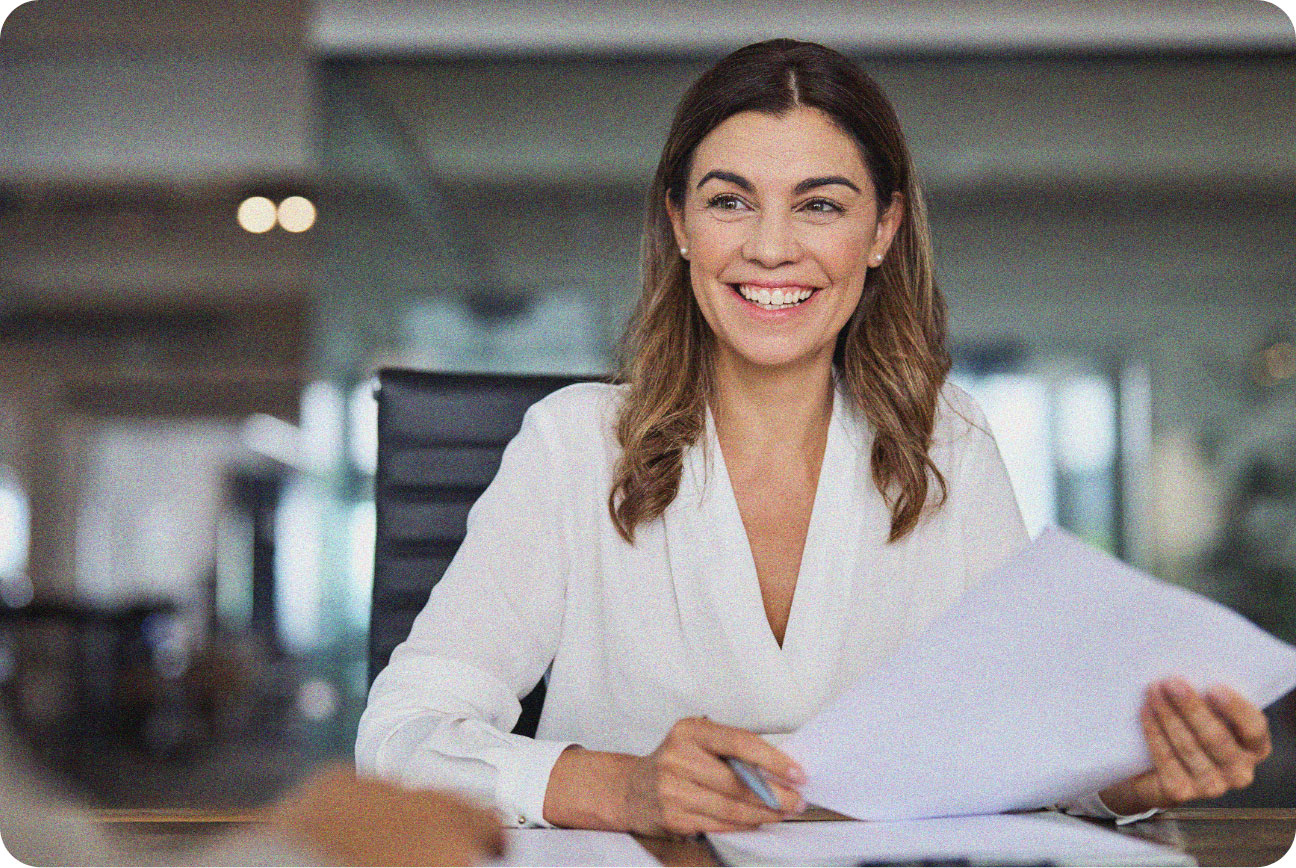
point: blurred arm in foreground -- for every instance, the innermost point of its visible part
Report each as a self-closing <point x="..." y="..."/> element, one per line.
<point x="334" y="817"/>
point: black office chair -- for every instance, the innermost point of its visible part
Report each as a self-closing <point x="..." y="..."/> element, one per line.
<point x="440" y="440"/>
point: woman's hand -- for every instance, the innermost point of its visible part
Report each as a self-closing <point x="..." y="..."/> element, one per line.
<point x="682" y="788"/>
<point x="1201" y="747"/>
<point x="685" y="786"/>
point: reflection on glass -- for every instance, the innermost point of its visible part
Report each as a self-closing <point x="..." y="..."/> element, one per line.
<point x="1017" y="408"/>
<point x="1086" y="425"/>
<point x="362" y="444"/>
<point x="1058" y="430"/>
<point x="1086" y="437"/>
<point x="234" y="571"/>
<point x="14" y="523"/>
<point x="555" y="332"/>
<point x="298" y="560"/>
<point x="363" y="530"/>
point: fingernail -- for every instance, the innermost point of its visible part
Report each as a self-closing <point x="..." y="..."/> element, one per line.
<point x="796" y="775"/>
<point x="1178" y="688"/>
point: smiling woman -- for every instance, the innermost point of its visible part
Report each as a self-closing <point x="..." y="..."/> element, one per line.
<point x="779" y="247"/>
<point x="781" y="492"/>
<point x="788" y="162"/>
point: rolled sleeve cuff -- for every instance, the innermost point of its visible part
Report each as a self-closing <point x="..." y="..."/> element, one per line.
<point x="1092" y="805"/>
<point x="522" y="782"/>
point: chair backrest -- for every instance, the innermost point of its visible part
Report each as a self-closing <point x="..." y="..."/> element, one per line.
<point x="440" y="440"/>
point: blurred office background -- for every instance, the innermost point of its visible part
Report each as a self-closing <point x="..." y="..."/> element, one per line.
<point x="217" y="221"/>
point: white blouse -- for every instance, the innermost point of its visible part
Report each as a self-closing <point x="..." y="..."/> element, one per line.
<point x="636" y="637"/>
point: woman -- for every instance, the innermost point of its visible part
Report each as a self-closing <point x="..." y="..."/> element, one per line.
<point x="784" y="491"/>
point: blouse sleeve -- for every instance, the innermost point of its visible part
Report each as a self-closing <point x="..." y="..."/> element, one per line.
<point x="440" y="712"/>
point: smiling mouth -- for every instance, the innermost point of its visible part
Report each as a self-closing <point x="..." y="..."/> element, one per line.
<point x="773" y="299"/>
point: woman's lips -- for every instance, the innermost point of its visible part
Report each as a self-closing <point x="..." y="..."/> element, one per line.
<point x="774" y="298"/>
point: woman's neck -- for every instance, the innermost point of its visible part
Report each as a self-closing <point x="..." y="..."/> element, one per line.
<point x="758" y="408"/>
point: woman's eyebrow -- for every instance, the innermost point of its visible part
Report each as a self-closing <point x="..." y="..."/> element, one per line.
<point x="733" y="178"/>
<point x="811" y="183"/>
<point x="808" y="184"/>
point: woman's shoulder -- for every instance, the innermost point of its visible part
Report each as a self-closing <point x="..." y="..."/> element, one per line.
<point x="579" y="415"/>
<point x="958" y="416"/>
<point x="580" y="402"/>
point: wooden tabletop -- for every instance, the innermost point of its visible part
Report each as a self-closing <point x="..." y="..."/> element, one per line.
<point x="1212" y="836"/>
<point x="1222" y="836"/>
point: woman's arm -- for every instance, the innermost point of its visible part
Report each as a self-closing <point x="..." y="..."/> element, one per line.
<point x="440" y="713"/>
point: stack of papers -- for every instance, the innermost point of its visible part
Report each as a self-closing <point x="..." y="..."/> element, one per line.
<point x="574" y="847"/>
<point x="1007" y="839"/>
<point x="1027" y="691"/>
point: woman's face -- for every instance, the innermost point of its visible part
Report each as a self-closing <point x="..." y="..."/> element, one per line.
<point x="781" y="224"/>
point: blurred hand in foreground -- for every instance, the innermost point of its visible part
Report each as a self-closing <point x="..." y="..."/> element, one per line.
<point x="365" y="821"/>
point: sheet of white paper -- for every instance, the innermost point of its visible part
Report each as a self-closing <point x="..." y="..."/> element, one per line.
<point x="1027" y="690"/>
<point x="574" y="847"/>
<point x="997" y="839"/>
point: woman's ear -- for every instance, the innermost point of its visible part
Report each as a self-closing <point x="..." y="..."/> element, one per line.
<point x="677" y="225"/>
<point x="888" y="224"/>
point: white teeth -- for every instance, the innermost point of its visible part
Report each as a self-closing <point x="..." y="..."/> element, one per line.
<point x="776" y="300"/>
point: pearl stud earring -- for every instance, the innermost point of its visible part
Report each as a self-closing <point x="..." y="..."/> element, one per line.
<point x="684" y="252"/>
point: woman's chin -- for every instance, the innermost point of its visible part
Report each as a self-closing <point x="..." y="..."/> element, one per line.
<point x="768" y="358"/>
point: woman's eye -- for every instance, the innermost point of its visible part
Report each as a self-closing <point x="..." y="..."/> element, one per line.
<point x="822" y="206"/>
<point x="726" y="202"/>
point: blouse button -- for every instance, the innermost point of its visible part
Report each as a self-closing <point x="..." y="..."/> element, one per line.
<point x="521" y="820"/>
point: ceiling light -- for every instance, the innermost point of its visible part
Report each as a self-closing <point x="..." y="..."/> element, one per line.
<point x="256" y="214"/>
<point x="296" y="214"/>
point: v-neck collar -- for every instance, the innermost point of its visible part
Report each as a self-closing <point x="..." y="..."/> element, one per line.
<point x="722" y="583"/>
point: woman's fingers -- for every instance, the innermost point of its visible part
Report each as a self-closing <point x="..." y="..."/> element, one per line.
<point x="1211" y="731"/>
<point x="1216" y="739"/>
<point x="686" y="786"/>
<point x="705" y="765"/>
<point x="713" y="773"/>
<point x="722" y="740"/>
<point x="699" y="799"/>
<point x="1200" y="747"/>
<point x="1207" y="777"/>
<point x="1172" y="780"/>
<point x="1247" y="721"/>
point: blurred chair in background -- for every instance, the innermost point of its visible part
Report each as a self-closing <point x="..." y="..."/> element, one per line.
<point x="440" y="440"/>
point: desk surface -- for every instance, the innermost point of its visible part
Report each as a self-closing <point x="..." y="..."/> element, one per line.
<point x="1212" y="836"/>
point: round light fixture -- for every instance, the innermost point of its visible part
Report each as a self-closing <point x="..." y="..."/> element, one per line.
<point x="296" y="214"/>
<point x="256" y="214"/>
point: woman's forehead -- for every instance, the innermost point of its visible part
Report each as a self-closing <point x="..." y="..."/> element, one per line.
<point x="798" y="144"/>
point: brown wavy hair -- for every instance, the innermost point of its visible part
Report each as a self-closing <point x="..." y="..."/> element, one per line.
<point x="891" y="355"/>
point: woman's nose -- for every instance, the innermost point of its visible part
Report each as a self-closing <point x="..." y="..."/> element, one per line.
<point x="772" y="241"/>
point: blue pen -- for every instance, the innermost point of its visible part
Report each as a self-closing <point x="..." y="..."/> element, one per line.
<point x="754" y="781"/>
